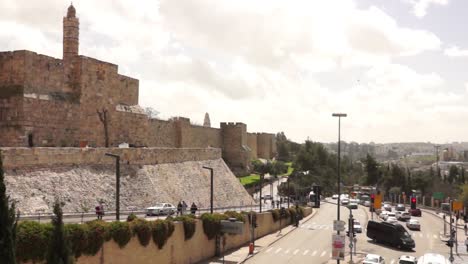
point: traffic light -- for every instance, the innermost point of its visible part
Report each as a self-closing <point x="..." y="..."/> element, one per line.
<point x="372" y="198"/>
<point x="413" y="202"/>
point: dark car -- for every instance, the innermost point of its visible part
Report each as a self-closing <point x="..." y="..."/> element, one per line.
<point x="415" y="212"/>
<point x="393" y="234"/>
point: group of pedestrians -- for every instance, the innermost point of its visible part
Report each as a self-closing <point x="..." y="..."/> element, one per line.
<point x="182" y="208"/>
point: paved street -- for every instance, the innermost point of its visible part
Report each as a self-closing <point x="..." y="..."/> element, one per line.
<point x="311" y="242"/>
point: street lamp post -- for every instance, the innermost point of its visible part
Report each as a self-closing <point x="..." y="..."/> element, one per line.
<point x="211" y="187"/>
<point x="261" y="187"/>
<point x="117" y="184"/>
<point x="339" y="115"/>
<point x="289" y="197"/>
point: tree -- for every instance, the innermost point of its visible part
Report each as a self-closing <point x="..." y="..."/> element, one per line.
<point x="151" y="112"/>
<point x="283" y="152"/>
<point x="8" y="222"/>
<point x="453" y="174"/>
<point x="462" y="176"/>
<point x="372" y="170"/>
<point x="104" y="118"/>
<point x="59" y="249"/>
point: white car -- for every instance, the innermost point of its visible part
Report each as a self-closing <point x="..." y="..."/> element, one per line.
<point x="335" y="196"/>
<point x="345" y="201"/>
<point x="391" y="220"/>
<point x="413" y="224"/>
<point x="383" y="215"/>
<point x="367" y="203"/>
<point x="405" y="259"/>
<point x="161" y="209"/>
<point x="373" y="259"/>
<point x="403" y="216"/>
<point x="430" y="258"/>
<point x="387" y="207"/>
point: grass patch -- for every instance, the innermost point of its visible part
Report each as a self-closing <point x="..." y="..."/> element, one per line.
<point x="290" y="168"/>
<point x="250" y="180"/>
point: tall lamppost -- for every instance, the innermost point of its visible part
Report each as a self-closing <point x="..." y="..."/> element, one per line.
<point x="339" y="115"/>
<point x="211" y="187"/>
<point x="117" y="184"/>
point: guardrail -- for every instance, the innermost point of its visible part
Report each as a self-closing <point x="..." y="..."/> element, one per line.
<point x="80" y="217"/>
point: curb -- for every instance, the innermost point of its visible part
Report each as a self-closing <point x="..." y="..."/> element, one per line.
<point x="279" y="238"/>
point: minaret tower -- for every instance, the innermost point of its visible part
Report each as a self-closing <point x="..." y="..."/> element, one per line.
<point x="71" y="31"/>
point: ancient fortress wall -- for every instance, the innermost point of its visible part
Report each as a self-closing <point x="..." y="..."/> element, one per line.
<point x="17" y="158"/>
<point x="252" y="143"/>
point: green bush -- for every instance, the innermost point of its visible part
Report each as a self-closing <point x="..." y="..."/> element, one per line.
<point x="97" y="234"/>
<point x="212" y="224"/>
<point x="142" y="229"/>
<point x="170" y="228"/>
<point x="301" y="211"/>
<point x="120" y="232"/>
<point x="236" y="215"/>
<point x="32" y="240"/>
<point x="189" y="225"/>
<point x="160" y="231"/>
<point x="275" y="214"/>
<point x="78" y="237"/>
<point x="131" y="217"/>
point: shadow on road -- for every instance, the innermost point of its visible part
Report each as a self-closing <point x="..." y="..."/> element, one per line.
<point x="370" y="241"/>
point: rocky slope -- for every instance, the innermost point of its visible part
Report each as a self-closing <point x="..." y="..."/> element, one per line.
<point x="81" y="187"/>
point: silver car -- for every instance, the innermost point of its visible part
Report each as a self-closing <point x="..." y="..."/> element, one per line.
<point x="413" y="224"/>
<point x="161" y="209"/>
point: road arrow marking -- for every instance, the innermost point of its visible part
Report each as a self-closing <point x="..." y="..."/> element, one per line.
<point x="323" y="253"/>
<point x="295" y="251"/>
<point x="314" y="253"/>
<point x="278" y="250"/>
<point x="305" y="252"/>
<point x="268" y="250"/>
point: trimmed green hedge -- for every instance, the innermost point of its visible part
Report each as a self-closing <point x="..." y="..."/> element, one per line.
<point x="212" y="224"/>
<point x="78" y="235"/>
<point x="98" y="233"/>
<point x="189" y="225"/>
<point x="32" y="240"/>
<point x="142" y="229"/>
<point x="120" y="232"/>
<point x="160" y="232"/>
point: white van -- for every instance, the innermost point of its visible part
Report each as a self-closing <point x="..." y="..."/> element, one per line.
<point x="432" y="258"/>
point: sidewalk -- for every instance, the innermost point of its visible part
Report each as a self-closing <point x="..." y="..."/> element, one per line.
<point x="240" y="255"/>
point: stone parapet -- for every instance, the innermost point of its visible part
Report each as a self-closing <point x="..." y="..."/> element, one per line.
<point x="14" y="158"/>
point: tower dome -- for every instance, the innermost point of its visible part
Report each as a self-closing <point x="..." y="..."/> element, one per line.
<point x="71" y="11"/>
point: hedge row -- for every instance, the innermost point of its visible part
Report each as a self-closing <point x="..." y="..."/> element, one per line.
<point x="33" y="238"/>
<point x="276" y="213"/>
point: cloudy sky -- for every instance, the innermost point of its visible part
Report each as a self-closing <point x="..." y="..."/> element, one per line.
<point x="396" y="67"/>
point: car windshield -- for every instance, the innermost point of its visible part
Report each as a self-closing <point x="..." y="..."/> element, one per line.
<point x="406" y="262"/>
<point x="158" y="205"/>
<point x="372" y="259"/>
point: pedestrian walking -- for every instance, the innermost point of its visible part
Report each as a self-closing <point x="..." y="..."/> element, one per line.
<point x="98" y="211"/>
<point x="273" y="204"/>
<point x="179" y="208"/>
<point x="184" y="207"/>
<point x="466" y="228"/>
<point x="193" y="208"/>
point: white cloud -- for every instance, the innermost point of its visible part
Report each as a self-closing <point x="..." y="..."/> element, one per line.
<point x="420" y="7"/>
<point x="260" y="62"/>
<point x="455" y="51"/>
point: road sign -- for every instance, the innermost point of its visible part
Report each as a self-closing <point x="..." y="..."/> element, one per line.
<point x="438" y="195"/>
<point x="338" y="225"/>
<point x="457" y="205"/>
<point x="230" y="227"/>
<point x="338" y="247"/>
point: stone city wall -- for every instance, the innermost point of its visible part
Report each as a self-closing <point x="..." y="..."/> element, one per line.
<point x="177" y="249"/>
<point x="252" y="143"/>
<point x="16" y="158"/>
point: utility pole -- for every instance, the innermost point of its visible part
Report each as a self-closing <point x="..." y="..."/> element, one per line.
<point x="117" y="184"/>
<point x="261" y="187"/>
<point x="437" y="160"/>
<point x="451" y="233"/>
<point x="289" y="197"/>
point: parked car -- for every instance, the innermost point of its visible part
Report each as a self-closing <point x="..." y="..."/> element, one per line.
<point x="405" y="259"/>
<point x="413" y="224"/>
<point x="367" y="203"/>
<point x="373" y="259"/>
<point x="335" y="196"/>
<point x="391" y="220"/>
<point x="415" y="212"/>
<point x="161" y="209"/>
<point x="393" y="234"/>
<point x="267" y="197"/>
<point x="352" y="206"/>
<point x="400" y="207"/>
<point x="383" y="215"/>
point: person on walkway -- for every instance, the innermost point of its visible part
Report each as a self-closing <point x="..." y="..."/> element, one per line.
<point x="98" y="211"/>
<point x="272" y="203"/>
<point x="184" y="207"/>
<point x="466" y="244"/>
<point x="466" y="228"/>
<point x="193" y="208"/>
<point x="179" y="208"/>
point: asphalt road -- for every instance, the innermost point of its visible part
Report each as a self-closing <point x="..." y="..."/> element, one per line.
<point x="311" y="242"/>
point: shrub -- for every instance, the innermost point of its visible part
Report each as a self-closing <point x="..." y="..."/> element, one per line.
<point x="189" y="225"/>
<point x="131" y="217"/>
<point x="78" y="236"/>
<point x="32" y="240"/>
<point x="160" y="232"/>
<point x="170" y="228"/>
<point x="120" y="232"/>
<point x="212" y="224"/>
<point x="301" y="211"/>
<point x="97" y="234"/>
<point x="275" y="214"/>
<point x="142" y="229"/>
<point x="236" y="215"/>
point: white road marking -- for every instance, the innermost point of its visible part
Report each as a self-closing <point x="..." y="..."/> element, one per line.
<point x="305" y="252"/>
<point x="278" y="250"/>
<point x="303" y="226"/>
<point x="295" y="251"/>
<point x="314" y="253"/>
<point x="393" y="261"/>
<point x="420" y="235"/>
<point x="287" y="251"/>
<point x="435" y="236"/>
<point x="268" y="250"/>
<point x="323" y="253"/>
